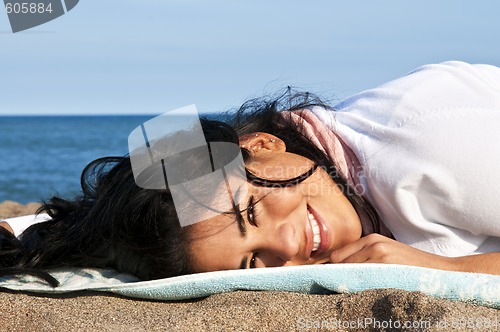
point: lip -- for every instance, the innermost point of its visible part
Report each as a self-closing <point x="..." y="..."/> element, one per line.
<point x="324" y="232"/>
<point x="309" y="236"/>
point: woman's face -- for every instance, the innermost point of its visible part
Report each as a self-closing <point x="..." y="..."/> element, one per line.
<point x="297" y="225"/>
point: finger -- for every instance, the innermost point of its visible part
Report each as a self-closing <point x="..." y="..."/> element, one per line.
<point x="361" y="256"/>
<point x="348" y="250"/>
<point x="360" y="247"/>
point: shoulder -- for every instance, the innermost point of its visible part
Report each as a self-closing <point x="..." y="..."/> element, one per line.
<point x="6" y="226"/>
<point x="450" y="84"/>
<point x="459" y="70"/>
<point x="18" y="225"/>
<point x="455" y="72"/>
<point x="426" y="90"/>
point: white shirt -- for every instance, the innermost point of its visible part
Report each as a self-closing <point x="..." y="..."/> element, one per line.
<point x="429" y="146"/>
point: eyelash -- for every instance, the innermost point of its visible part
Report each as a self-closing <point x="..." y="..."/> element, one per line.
<point x="252" y="221"/>
<point x="251" y="212"/>
<point x="252" y="261"/>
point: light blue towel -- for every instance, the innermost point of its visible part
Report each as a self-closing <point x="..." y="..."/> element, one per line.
<point x="483" y="289"/>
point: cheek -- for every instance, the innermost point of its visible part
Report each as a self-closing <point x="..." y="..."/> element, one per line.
<point x="348" y="223"/>
<point x="280" y="203"/>
<point x="319" y="185"/>
<point x="212" y="255"/>
<point x="328" y="197"/>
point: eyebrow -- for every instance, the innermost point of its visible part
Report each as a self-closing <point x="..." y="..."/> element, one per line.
<point x="239" y="217"/>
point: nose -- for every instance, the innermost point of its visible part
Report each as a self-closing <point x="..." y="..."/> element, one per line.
<point x="279" y="245"/>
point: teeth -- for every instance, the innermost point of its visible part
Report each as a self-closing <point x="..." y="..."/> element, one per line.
<point x="316" y="232"/>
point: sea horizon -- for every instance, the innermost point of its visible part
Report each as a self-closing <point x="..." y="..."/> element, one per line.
<point x="44" y="155"/>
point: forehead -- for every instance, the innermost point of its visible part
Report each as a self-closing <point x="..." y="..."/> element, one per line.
<point x="214" y="244"/>
<point x="209" y="196"/>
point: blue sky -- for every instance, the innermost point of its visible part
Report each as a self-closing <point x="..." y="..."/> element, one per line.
<point x="151" y="56"/>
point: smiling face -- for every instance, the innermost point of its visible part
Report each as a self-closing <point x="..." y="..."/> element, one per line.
<point x="295" y="225"/>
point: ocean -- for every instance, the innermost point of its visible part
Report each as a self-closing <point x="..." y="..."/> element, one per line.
<point x="41" y="156"/>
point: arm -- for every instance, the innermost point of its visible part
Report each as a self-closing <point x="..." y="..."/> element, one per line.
<point x="376" y="248"/>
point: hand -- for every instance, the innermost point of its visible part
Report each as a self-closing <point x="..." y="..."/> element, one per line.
<point x="376" y="248"/>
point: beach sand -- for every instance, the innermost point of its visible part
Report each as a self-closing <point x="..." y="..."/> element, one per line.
<point x="375" y="310"/>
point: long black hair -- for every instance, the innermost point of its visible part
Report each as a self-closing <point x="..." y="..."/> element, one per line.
<point x="116" y="224"/>
<point x="113" y="224"/>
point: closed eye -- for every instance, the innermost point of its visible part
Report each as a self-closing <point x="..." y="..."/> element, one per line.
<point x="251" y="215"/>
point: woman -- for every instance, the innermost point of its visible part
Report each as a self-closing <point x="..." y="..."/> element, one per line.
<point x="404" y="173"/>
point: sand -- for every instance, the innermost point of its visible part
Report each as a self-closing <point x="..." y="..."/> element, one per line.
<point x="375" y="310"/>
